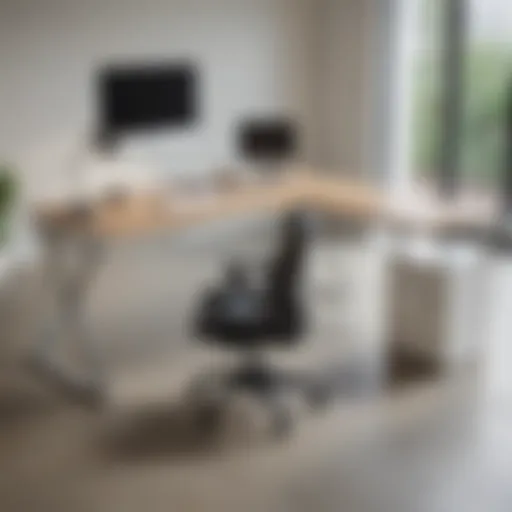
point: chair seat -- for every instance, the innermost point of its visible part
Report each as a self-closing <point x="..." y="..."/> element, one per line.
<point x="245" y="318"/>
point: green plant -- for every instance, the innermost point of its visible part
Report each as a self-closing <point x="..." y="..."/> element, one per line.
<point x="488" y="71"/>
<point x="8" y="195"/>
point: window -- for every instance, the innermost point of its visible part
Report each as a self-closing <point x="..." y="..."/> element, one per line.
<point x="461" y="69"/>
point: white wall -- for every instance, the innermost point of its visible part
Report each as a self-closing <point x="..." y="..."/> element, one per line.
<point x="253" y="55"/>
<point x="346" y="56"/>
<point x="307" y="57"/>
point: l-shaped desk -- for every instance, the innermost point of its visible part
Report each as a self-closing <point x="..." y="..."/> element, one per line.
<point x="79" y="233"/>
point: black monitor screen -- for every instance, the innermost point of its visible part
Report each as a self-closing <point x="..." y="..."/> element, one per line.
<point x="145" y="97"/>
<point x="267" y="139"/>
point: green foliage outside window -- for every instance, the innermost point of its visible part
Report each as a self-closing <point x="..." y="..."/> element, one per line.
<point x="488" y="75"/>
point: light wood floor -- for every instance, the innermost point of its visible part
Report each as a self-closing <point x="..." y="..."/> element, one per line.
<point x="437" y="445"/>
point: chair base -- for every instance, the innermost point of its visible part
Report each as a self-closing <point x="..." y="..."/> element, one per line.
<point x="267" y="384"/>
<point x="256" y="377"/>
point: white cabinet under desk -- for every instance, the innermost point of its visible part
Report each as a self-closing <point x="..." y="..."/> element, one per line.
<point x="438" y="298"/>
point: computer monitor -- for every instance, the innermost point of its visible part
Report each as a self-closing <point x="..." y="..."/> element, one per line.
<point x="148" y="96"/>
<point x="270" y="140"/>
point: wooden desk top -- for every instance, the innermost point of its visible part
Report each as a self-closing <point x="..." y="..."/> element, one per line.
<point x="152" y="211"/>
<point x="137" y="214"/>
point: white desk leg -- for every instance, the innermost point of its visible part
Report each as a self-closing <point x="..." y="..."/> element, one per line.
<point x="71" y="261"/>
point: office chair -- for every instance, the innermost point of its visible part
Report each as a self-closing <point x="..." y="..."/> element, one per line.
<point x="249" y="318"/>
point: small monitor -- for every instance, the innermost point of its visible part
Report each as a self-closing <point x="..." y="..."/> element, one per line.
<point x="267" y="140"/>
<point x="142" y="97"/>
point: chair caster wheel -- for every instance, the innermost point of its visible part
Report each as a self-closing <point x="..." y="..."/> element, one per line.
<point x="318" y="397"/>
<point x="208" y="418"/>
<point x="92" y="396"/>
<point x="282" y="425"/>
